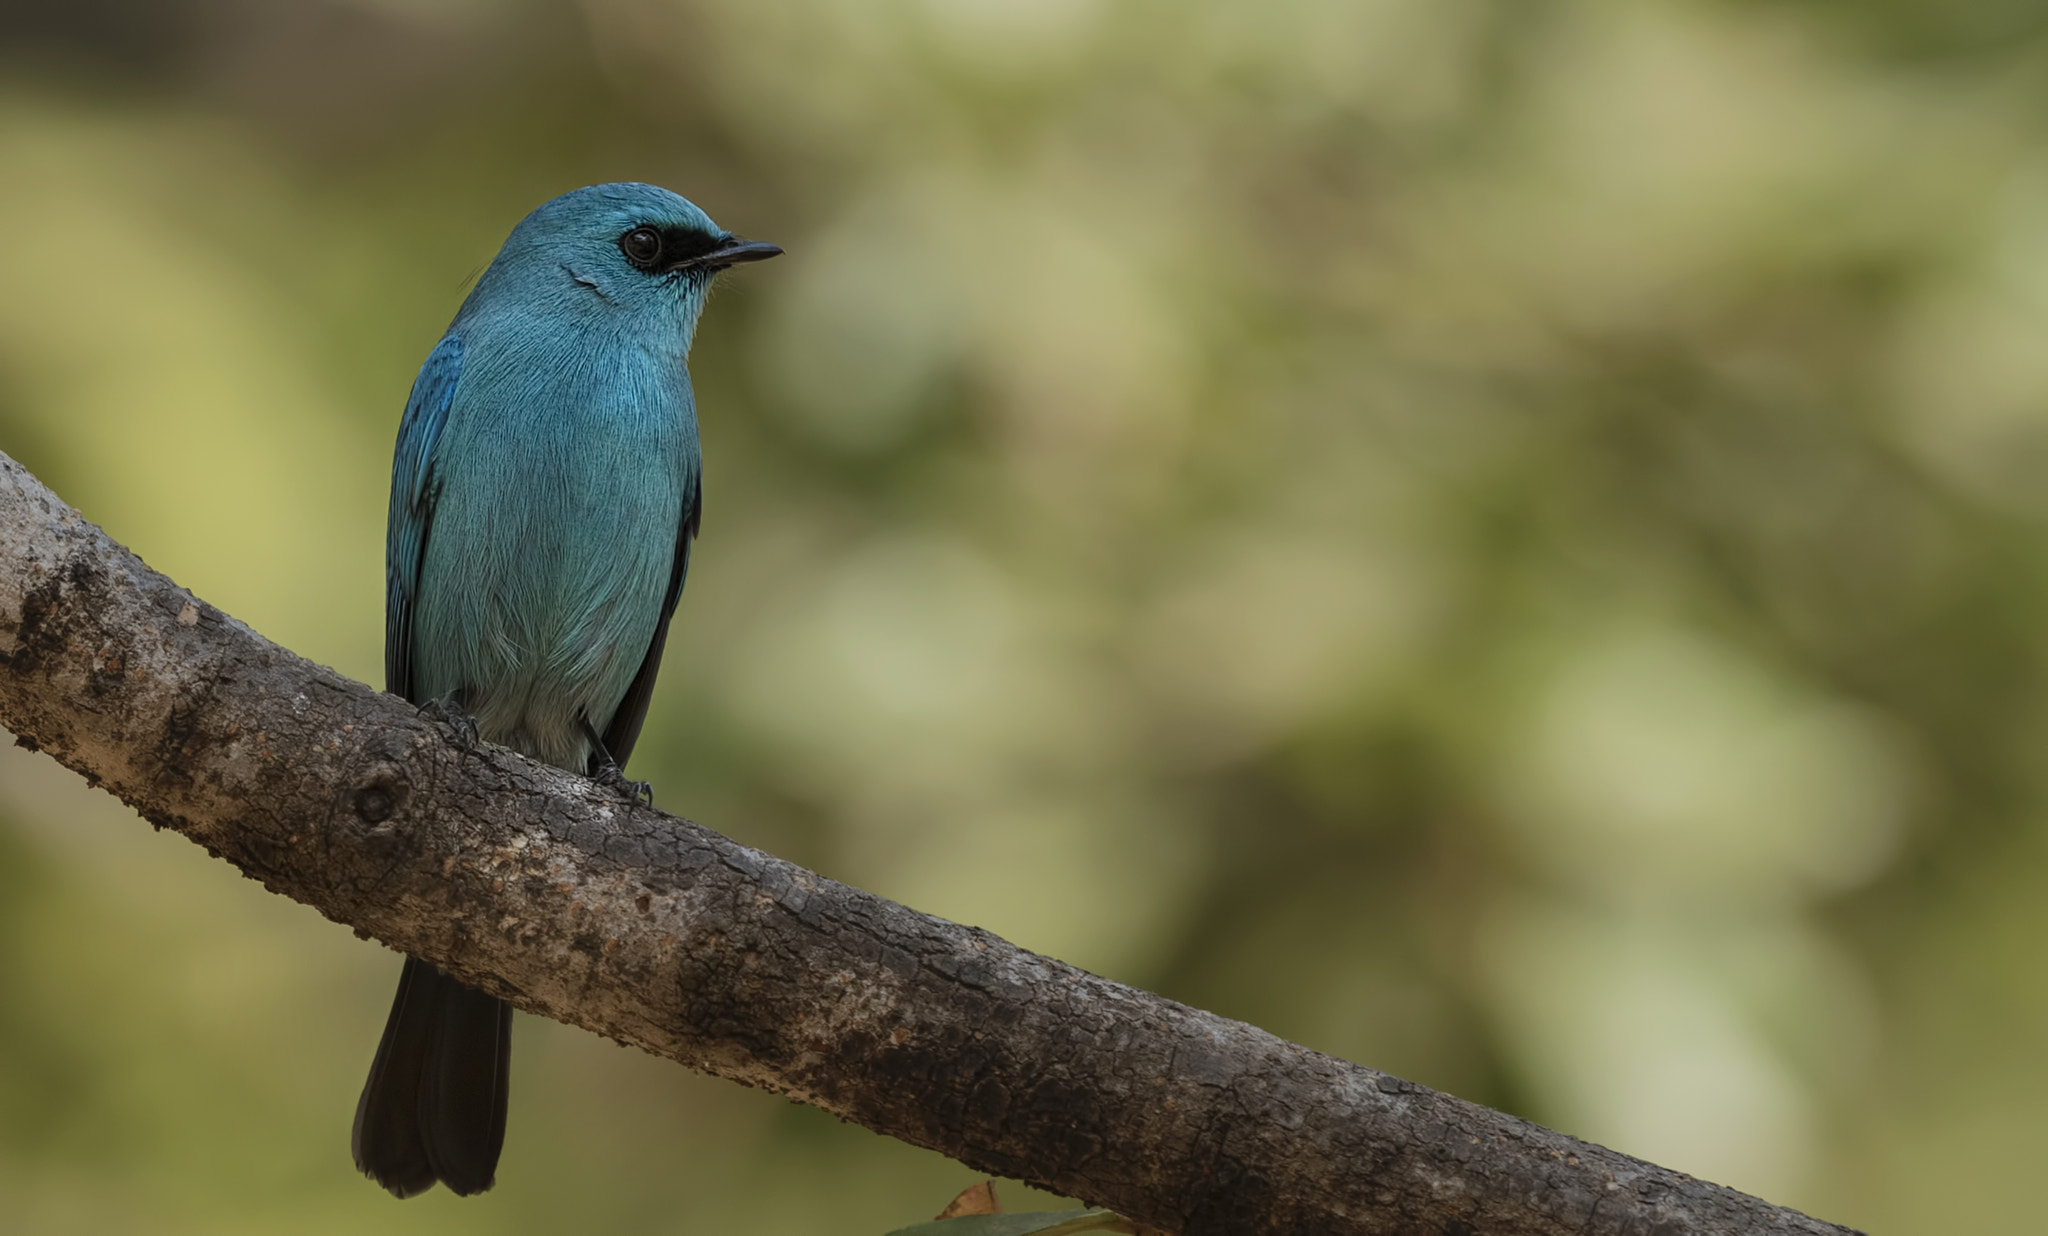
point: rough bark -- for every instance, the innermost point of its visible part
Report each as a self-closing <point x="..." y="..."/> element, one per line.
<point x="555" y="894"/>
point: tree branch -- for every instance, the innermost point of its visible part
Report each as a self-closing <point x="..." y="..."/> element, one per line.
<point x="544" y="889"/>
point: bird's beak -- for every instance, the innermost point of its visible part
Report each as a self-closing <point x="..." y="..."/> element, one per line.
<point x="735" y="251"/>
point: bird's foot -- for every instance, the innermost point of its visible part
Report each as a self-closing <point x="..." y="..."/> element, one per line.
<point x="612" y="777"/>
<point x="461" y="725"/>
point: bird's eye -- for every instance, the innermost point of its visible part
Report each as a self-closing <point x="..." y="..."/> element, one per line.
<point x="642" y="247"/>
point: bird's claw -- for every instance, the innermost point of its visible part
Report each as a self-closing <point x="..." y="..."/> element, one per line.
<point x="613" y="778"/>
<point x="461" y="725"/>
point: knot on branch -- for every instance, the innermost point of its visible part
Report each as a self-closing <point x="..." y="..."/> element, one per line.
<point x="378" y="782"/>
<point x="382" y="794"/>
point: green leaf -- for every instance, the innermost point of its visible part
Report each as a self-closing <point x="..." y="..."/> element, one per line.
<point x="1033" y="1223"/>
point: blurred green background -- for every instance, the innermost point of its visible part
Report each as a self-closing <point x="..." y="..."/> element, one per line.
<point x="1501" y="539"/>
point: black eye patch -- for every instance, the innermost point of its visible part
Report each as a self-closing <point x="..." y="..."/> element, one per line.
<point x="657" y="249"/>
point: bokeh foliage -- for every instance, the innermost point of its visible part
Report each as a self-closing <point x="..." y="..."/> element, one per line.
<point x="1502" y="539"/>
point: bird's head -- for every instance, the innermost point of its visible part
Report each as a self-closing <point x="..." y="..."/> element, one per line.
<point x="633" y="256"/>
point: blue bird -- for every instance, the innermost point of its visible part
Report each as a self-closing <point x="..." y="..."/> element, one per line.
<point x="544" y="497"/>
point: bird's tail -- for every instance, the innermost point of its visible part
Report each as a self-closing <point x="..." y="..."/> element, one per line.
<point x="434" y="1106"/>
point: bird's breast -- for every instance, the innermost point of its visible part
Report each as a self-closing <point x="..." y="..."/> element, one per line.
<point x="552" y="543"/>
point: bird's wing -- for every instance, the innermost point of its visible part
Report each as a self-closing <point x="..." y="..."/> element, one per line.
<point x="414" y="489"/>
<point x="624" y="729"/>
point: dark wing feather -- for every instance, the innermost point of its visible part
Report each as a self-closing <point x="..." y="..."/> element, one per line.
<point x="414" y="489"/>
<point x="624" y="729"/>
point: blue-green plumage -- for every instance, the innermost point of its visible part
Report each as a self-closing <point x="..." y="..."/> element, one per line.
<point x="544" y="495"/>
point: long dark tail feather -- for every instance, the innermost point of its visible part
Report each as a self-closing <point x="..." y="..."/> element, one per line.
<point x="434" y="1106"/>
<point x="463" y="1090"/>
<point x="386" y="1140"/>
